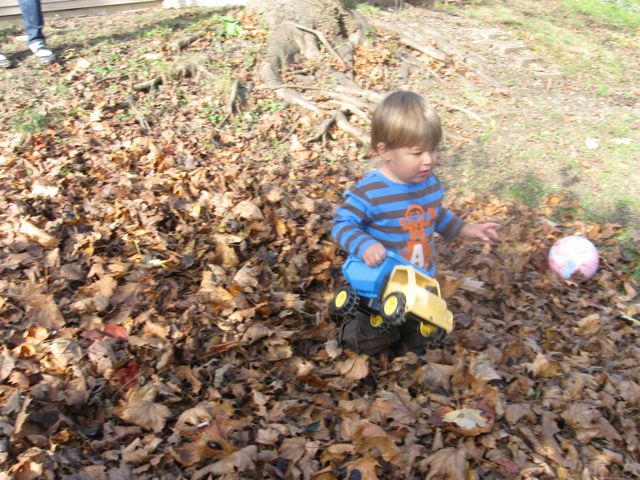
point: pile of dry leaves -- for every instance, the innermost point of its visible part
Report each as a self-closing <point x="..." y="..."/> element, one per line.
<point x="164" y="314"/>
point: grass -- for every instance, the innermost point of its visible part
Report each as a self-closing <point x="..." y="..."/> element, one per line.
<point x="612" y="14"/>
<point x="577" y="35"/>
<point x="543" y="151"/>
<point x="32" y="120"/>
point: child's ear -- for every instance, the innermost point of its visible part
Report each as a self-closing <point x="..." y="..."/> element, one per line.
<point x="382" y="151"/>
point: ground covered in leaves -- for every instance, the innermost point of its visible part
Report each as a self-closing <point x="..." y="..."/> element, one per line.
<point x="166" y="271"/>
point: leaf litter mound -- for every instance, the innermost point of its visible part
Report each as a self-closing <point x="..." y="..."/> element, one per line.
<point x="164" y="309"/>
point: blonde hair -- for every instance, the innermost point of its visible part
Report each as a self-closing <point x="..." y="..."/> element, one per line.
<point x="405" y="119"/>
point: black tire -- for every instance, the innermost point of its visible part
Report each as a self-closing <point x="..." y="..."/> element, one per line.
<point x="436" y="337"/>
<point x="392" y="308"/>
<point x="345" y="301"/>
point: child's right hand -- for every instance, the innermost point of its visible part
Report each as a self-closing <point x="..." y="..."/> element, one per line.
<point x="374" y="255"/>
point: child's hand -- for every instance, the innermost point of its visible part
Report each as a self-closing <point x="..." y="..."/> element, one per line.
<point x="481" y="231"/>
<point x="374" y="255"/>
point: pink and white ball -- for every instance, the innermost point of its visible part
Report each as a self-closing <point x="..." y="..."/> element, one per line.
<point x="574" y="254"/>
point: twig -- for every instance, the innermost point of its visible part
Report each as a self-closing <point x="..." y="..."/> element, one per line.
<point x="631" y="320"/>
<point x="233" y="96"/>
<point x="342" y="122"/>
<point x="325" y="128"/>
<point x="322" y="38"/>
<point x="354" y="90"/>
<point x="470" y="113"/>
<point x="352" y="108"/>
<point x="183" y="43"/>
<point x="426" y="49"/>
<point x="142" y="120"/>
<point x="148" y="85"/>
<point x="229" y="107"/>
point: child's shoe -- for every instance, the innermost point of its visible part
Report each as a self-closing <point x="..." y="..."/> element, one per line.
<point x="4" y="61"/>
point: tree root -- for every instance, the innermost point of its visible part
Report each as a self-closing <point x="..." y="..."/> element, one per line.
<point x="469" y="113"/>
<point x="148" y="85"/>
<point x="342" y="122"/>
<point x="322" y="39"/>
<point x="183" y="43"/>
<point x="142" y="120"/>
<point x="178" y="72"/>
<point x="426" y="49"/>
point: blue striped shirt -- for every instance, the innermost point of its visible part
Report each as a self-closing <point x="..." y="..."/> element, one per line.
<point x="402" y="217"/>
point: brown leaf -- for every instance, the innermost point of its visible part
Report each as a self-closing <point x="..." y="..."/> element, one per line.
<point x="237" y="462"/>
<point x="365" y="466"/>
<point x="355" y="368"/>
<point x="447" y="464"/>
<point x="37" y="235"/>
<point x="247" y="210"/>
<point x="542" y="367"/>
<point x="590" y="325"/>
<point x="7" y="362"/>
<point x="41" y="309"/>
<point x="139" y="408"/>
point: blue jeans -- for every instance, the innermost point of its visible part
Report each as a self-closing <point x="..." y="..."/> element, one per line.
<point x="33" y="23"/>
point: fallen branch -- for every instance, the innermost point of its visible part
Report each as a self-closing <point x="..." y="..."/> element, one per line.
<point x="426" y="49"/>
<point x="470" y="113"/>
<point x="342" y="122"/>
<point x="142" y="120"/>
<point x="355" y="90"/>
<point x="148" y="85"/>
<point x="233" y="96"/>
<point x="183" y="43"/>
<point x="631" y="320"/>
<point x="322" y="39"/>
<point x="352" y="108"/>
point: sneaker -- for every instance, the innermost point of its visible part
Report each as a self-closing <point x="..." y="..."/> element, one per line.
<point x="45" y="56"/>
<point x="4" y="61"/>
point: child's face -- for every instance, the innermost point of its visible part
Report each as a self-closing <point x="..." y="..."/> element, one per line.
<point x="407" y="164"/>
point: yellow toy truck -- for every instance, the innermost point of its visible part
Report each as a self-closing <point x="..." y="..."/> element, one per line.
<point x="392" y="293"/>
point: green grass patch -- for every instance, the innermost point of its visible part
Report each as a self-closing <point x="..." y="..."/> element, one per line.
<point x="611" y="14"/>
<point x="32" y="120"/>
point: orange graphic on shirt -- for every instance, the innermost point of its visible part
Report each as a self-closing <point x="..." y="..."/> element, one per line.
<point x="418" y="247"/>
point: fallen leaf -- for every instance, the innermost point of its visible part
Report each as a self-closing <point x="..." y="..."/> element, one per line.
<point x="447" y="464"/>
<point x="355" y="368"/>
<point x="139" y="408"/>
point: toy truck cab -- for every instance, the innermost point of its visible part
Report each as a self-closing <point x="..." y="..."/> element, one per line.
<point x="392" y="293"/>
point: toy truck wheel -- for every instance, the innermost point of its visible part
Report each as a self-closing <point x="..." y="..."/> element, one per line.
<point x="393" y="308"/>
<point x="431" y="331"/>
<point x="376" y="321"/>
<point x="345" y="301"/>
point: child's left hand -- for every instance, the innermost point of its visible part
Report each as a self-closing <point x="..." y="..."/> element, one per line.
<point x="481" y="231"/>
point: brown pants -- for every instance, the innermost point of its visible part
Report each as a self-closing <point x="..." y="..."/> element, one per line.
<point x="358" y="335"/>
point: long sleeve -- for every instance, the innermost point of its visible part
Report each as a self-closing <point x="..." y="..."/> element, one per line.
<point x="351" y="218"/>
<point x="448" y="224"/>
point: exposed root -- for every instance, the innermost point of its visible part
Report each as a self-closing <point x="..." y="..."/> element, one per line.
<point x="142" y="120"/>
<point x="297" y="98"/>
<point x="426" y="49"/>
<point x="342" y="122"/>
<point x="147" y="85"/>
<point x="183" y="43"/>
<point x="322" y="39"/>
<point x="469" y="113"/>
<point x="351" y="108"/>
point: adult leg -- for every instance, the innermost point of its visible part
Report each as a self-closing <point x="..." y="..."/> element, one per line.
<point x="34" y="25"/>
<point x="360" y="336"/>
